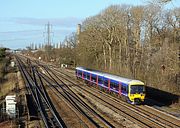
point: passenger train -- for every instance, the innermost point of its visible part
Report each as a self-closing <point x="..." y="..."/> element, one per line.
<point x="133" y="91"/>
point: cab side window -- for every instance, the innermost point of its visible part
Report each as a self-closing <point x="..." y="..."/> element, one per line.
<point x="124" y="88"/>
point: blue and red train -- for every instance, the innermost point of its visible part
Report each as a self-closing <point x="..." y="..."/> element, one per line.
<point x="132" y="90"/>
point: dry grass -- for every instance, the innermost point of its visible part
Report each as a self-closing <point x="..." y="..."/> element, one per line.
<point x="8" y="85"/>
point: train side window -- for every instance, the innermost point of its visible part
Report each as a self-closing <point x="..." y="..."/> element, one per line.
<point x="124" y="88"/>
<point x="79" y="73"/>
<point x="106" y="82"/>
<point x="85" y="74"/>
<point x="114" y="86"/>
<point x="88" y="76"/>
<point x="94" y="78"/>
<point x="100" y="81"/>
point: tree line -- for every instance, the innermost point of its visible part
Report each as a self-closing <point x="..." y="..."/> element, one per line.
<point x="138" y="42"/>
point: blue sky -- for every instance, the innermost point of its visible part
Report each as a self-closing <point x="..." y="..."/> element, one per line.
<point x="23" y="21"/>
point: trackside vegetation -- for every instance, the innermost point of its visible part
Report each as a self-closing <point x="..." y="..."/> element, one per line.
<point x="3" y="63"/>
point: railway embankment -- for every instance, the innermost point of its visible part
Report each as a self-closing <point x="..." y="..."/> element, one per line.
<point x="12" y="84"/>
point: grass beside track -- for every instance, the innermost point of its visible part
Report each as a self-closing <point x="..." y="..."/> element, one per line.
<point x="8" y="85"/>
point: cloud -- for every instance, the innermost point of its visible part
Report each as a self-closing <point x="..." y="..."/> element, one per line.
<point x="67" y="22"/>
<point x="18" y="32"/>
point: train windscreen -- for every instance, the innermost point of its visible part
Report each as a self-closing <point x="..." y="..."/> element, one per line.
<point x="137" y="89"/>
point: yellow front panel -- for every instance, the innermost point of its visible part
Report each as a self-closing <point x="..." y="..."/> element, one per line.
<point x="138" y="96"/>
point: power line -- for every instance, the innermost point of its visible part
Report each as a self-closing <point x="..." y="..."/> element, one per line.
<point x="15" y="39"/>
<point x="19" y="31"/>
<point x="48" y="39"/>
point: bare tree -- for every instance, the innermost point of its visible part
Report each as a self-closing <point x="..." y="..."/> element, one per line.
<point x="138" y="41"/>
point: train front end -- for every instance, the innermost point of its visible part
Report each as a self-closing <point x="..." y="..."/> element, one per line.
<point x="136" y="92"/>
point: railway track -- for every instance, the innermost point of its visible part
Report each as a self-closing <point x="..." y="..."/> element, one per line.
<point x="42" y="101"/>
<point x="96" y="119"/>
<point x="88" y="115"/>
<point x="138" y="114"/>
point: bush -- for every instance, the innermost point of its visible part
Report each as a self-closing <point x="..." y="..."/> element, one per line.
<point x="3" y="63"/>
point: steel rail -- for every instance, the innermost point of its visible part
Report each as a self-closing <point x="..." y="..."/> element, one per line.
<point x="74" y="96"/>
<point x="38" y="95"/>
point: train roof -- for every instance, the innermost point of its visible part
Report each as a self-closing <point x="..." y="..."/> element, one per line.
<point x="90" y="71"/>
<point x="110" y="76"/>
<point x="117" y="78"/>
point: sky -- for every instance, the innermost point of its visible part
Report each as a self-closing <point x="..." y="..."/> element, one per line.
<point x="25" y="21"/>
